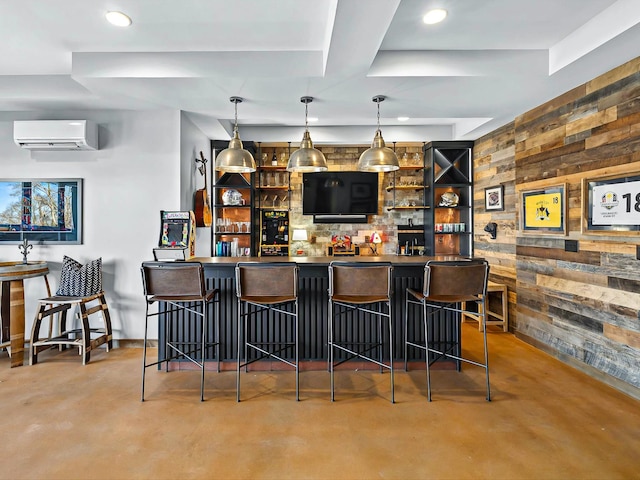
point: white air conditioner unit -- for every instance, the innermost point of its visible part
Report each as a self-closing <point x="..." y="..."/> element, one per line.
<point x="56" y="134"/>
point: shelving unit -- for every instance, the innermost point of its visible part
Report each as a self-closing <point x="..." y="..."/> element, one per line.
<point x="449" y="178"/>
<point x="400" y="190"/>
<point x="273" y="201"/>
<point x="232" y="220"/>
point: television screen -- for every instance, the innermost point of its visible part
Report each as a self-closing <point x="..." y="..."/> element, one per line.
<point x="340" y="193"/>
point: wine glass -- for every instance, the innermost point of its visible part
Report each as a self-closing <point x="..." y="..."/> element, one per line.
<point x="283" y="200"/>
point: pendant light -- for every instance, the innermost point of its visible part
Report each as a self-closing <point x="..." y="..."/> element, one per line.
<point x="307" y="158"/>
<point x="378" y="158"/>
<point x="234" y="158"/>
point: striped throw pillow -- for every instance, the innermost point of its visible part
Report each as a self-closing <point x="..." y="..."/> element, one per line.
<point x="77" y="280"/>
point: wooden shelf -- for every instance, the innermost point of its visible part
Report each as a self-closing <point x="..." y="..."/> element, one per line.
<point x="273" y="168"/>
<point x="404" y="187"/>
<point x="415" y="207"/>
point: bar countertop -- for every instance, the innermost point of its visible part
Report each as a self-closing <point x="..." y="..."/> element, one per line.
<point x="408" y="272"/>
<point x="400" y="260"/>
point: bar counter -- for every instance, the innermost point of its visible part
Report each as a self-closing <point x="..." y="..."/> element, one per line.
<point x="313" y="305"/>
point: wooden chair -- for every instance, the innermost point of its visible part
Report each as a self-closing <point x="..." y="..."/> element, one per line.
<point x="86" y="337"/>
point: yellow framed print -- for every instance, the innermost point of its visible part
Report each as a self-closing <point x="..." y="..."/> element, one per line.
<point x="544" y="211"/>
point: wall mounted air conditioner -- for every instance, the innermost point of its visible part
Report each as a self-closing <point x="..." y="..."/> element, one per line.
<point x="56" y="134"/>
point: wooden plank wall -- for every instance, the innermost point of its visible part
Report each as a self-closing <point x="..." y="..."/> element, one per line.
<point x="494" y="165"/>
<point x="583" y="307"/>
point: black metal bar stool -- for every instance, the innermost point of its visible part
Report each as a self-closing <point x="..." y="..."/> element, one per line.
<point x="180" y="288"/>
<point x="272" y="289"/>
<point x="449" y="287"/>
<point x="360" y="287"/>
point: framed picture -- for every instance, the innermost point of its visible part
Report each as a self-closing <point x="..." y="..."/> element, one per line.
<point x="46" y="211"/>
<point x="611" y="204"/>
<point x="494" y="198"/>
<point x="544" y="211"/>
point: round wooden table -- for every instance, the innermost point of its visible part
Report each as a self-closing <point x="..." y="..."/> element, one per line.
<point x="12" y="275"/>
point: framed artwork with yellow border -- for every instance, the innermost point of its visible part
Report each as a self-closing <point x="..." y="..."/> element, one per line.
<point x="611" y="204"/>
<point x="544" y="210"/>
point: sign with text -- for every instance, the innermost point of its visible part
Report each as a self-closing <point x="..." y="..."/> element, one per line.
<point x="611" y="204"/>
<point x="616" y="204"/>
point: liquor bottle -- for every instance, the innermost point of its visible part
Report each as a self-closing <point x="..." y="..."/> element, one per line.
<point x="274" y="160"/>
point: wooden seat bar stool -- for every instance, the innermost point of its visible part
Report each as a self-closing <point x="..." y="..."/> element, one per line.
<point x="501" y="318"/>
<point x="86" y="338"/>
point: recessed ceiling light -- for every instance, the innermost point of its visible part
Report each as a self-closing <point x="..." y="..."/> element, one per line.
<point x="118" y="19"/>
<point x="434" y="16"/>
<point x="403" y="119"/>
<point x="312" y="119"/>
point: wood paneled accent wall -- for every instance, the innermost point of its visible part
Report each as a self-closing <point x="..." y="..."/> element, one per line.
<point x="583" y="307"/>
<point x="494" y="165"/>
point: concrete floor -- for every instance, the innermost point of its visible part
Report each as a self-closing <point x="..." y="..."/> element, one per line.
<point x="546" y="421"/>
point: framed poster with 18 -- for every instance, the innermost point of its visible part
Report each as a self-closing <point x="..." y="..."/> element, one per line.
<point x="611" y="204"/>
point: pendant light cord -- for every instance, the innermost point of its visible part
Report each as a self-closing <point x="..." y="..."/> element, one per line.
<point x="306" y="112"/>
<point x="235" y="126"/>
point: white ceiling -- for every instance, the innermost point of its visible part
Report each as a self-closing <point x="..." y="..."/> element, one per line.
<point x="489" y="61"/>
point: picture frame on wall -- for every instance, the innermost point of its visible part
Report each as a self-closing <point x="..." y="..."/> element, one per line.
<point x="44" y="211"/>
<point x="494" y="198"/>
<point x="544" y="210"/>
<point x="611" y="204"/>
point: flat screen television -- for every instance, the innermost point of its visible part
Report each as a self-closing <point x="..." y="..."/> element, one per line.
<point x="340" y="193"/>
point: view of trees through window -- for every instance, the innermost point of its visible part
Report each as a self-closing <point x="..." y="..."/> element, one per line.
<point x="40" y="210"/>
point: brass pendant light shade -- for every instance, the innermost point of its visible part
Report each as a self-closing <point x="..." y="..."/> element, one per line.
<point x="378" y="158"/>
<point x="234" y="158"/>
<point x="307" y="158"/>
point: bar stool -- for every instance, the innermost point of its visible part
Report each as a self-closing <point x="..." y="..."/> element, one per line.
<point x="270" y="288"/>
<point x="180" y="291"/>
<point x="79" y="290"/>
<point x="86" y="338"/>
<point x="502" y="317"/>
<point x="357" y="288"/>
<point x="447" y="287"/>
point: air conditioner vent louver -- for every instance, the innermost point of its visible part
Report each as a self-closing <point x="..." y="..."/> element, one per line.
<point x="56" y="134"/>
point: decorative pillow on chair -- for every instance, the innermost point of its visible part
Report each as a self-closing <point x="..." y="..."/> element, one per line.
<point x="77" y="280"/>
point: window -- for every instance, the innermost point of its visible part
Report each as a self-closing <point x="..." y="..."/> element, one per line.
<point x="43" y="211"/>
